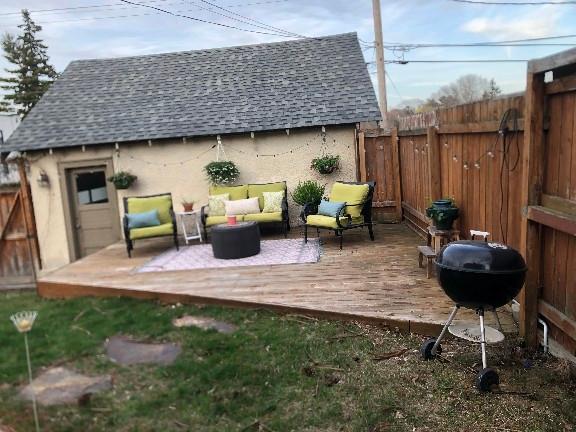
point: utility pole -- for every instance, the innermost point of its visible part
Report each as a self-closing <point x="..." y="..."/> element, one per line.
<point x="380" y="71"/>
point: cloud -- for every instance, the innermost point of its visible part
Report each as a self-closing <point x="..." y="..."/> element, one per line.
<point x="537" y="23"/>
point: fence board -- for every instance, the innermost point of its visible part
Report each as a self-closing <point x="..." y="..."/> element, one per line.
<point x="15" y="265"/>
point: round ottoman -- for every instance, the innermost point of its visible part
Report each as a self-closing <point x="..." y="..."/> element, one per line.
<point x="235" y="241"/>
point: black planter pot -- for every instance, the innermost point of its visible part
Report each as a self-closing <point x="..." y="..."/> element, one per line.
<point x="443" y="214"/>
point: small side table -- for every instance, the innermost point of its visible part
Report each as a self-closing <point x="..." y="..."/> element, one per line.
<point x="438" y="238"/>
<point x="194" y="215"/>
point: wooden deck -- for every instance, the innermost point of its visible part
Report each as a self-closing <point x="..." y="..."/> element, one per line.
<point x="377" y="282"/>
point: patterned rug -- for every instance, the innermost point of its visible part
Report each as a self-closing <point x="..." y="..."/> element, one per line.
<point x="272" y="252"/>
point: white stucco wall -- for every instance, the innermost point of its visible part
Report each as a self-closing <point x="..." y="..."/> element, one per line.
<point x="176" y="167"/>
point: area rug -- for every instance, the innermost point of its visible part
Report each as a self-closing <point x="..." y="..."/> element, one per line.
<point x="272" y="252"/>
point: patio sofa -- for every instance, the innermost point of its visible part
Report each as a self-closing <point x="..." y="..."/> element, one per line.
<point x="253" y="190"/>
<point x="352" y="207"/>
<point x="165" y="225"/>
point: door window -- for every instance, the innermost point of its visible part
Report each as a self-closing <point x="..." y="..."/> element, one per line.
<point x="91" y="188"/>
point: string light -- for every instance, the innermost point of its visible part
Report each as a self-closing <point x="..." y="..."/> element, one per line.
<point x="466" y="167"/>
<point x="477" y="165"/>
<point x="292" y="150"/>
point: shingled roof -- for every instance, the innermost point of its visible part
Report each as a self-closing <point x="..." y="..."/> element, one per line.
<point x="299" y="83"/>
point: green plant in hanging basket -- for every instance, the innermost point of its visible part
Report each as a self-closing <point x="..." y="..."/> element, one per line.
<point x="326" y="164"/>
<point x="222" y="172"/>
<point x="122" y="179"/>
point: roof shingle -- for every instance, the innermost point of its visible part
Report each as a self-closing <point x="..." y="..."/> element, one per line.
<point x="305" y="82"/>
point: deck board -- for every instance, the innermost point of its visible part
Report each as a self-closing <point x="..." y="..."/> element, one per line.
<point x="377" y="282"/>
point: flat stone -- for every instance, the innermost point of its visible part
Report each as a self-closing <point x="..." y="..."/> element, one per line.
<point x="128" y="352"/>
<point x="59" y="386"/>
<point x="205" y="323"/>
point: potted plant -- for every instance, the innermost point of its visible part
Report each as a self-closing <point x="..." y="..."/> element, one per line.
<point x="187" y="205"/>
<point x="122" y="179"/>
<point x="326" y="164"/>
<point x="443" y="213"/>
<point x="309" y="193"/>
<point x="222" y="172"/>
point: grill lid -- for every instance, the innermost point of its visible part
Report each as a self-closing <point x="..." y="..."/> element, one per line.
<point x="481" y="257"/>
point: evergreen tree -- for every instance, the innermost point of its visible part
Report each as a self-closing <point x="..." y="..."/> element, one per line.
<point x="31" y="74"/>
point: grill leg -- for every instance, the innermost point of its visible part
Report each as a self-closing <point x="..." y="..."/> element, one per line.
<point x="482" y="338"/>
<point x="443" y="332"/>
<point x="498" y="321"/>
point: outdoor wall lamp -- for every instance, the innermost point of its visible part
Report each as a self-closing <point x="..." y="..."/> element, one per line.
<point x="43" y="179"/>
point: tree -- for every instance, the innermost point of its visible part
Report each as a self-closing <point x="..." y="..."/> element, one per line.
<point x="493" y="91"/>
<point x="31" y="74"/>
<point x="466" y="89"/>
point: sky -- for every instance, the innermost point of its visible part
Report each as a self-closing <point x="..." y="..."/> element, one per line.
<point x="110" y="28"/>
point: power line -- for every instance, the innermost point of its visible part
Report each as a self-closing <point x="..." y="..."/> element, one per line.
<point x="393" y="85"/>
<point x="199" y="19"/>
<point x="403" y="62"/>
<point x="263" y="26"/>
<point x="292" y="34"/>
<point x="472" y="45"/>
<point x="488" y="43"/>
<point x="505" y="3"/>
<point x="111" y="5"/>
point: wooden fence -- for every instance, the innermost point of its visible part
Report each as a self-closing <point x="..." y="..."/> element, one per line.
<point x="378" y="162"/>
<point x="15" y="256"/>
<point x="519" y="186"/>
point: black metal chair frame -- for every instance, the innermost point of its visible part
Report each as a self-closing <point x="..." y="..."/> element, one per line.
<point x="344" y="220"/>
<point x="129" y="241"/>
<point x="284" y="224"/>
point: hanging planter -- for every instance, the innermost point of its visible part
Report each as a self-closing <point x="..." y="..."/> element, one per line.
<point x="443" y="213"/>
<point x="122" y="179"/>
<point x="222" y="172"/>
<point x="326" y="164"/>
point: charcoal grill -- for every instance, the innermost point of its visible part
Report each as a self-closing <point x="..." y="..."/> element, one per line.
<point x="480" y="276"/>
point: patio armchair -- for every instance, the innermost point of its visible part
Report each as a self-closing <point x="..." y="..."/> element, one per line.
<point x="357" y="213"/>
<point x="162" y="203"/>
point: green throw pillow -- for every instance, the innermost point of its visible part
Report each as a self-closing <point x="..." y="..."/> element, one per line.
<point x="272" y="202"/>
<point x="216" y="204"/>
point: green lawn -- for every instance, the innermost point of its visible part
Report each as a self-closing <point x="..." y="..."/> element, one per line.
<point x="275" y="373"/>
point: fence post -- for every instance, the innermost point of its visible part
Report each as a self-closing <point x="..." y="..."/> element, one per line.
<point x="362" y="156"/>
<point x="395" y="142"/>
<point x="434" y="175"/>
<point x="532" y="179"/>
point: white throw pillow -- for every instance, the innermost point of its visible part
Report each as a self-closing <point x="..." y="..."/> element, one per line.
<point x="242" y="207"/>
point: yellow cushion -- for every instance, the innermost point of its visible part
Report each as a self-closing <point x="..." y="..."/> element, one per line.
<point x="351" y="195"/>
<point x="256" y="190"/>
<point x="322" y="221"/>
<point x="330" y="222"/>
<point x="236" y="192"/>
<point x="218" y="220"/>
<point x="264" y="217"/>
<point x="162" y="203"/>
<point x="153" y="231"/>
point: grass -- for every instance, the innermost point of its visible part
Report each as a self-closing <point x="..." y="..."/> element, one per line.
<point x="275" y="373"/>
